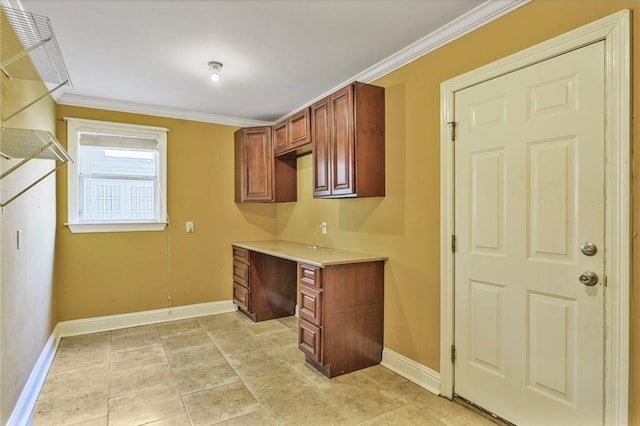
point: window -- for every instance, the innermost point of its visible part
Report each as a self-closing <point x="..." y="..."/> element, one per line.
<point x="118" y="180"/>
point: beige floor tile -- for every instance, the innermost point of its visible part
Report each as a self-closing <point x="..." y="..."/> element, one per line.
<point x="408" y="415"/>
<point x="140" y="379"/>
<point x="291" y="400"/>
<point x="257" y="418"/>
<point x="133" y="330"/>
<point x="137" y="358"/>
<point x="361" y="397"/>
<point x="145" y="407"/>
<point x="202" y="376"/>
<point x="70" y="408"/>
<point x="265" y="327"/>
<point x="278" y="341"/>
<point x="198" y="355"/>
<point x="466" y="417"/>
<point x="236" y="343"/>
<point x="182" y="341"/>
<point x="79" y="357"/>
<point x="290" y="322"/>
<point x="100" y="421"/>
<point x="229" y="371"/>
<point x="85" y="341"/>
<point x="224" y="323"/>
<point x="181" y="420"/>
<point x="177" y="327"/>
<point x="250" y="366"/>
<point x="127" y="342"/>
<point x="218" y="404"/>
<point x="436" y="406"/>
<point x="73" y="381"/>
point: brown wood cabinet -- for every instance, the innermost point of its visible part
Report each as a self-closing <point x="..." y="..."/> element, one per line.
<point x="340" y="305"/>
<point x="348" y="143"/>
<point x="264" y="287"/>
<point x="292" y="136"/>
<point x="259" y="177"/>
<point x="241" y="295"/>
<point x="341" y="316"/>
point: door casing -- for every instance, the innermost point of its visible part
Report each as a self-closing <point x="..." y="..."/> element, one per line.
<point x="615" y="31"/>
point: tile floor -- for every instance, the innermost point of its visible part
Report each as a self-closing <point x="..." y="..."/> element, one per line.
<point x="223" y="369"/>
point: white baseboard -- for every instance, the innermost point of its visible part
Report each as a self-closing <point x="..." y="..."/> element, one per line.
<point x="114" y="322"/>
<point x="21" y="414"/>
<point x="409" y="369"/>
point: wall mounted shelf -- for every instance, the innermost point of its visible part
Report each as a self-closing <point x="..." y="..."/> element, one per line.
<point x="27" y="145"/>
<point x="29" y="52"/>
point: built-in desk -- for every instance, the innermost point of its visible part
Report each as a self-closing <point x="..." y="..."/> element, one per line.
<point x="340" y="295"/>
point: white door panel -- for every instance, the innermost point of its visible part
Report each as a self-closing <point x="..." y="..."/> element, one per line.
<point x="529" y="191"/>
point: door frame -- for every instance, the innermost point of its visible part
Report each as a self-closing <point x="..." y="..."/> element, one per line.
<point x="615" y="31"/>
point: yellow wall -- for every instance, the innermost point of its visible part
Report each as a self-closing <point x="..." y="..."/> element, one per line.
<point x="405" y="224"/>
<point x="102" y="274"/>
<point x="113" y="273"/>
<point x="27" y="311"/>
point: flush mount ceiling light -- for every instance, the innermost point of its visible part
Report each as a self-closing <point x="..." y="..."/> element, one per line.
<point x="215" y="67"/>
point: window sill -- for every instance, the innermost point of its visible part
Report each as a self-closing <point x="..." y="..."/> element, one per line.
<point x="87" y="228"/>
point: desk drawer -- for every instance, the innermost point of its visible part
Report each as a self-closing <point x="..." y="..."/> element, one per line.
<point x="311" y="275"/>
<point x="311" y="304"/>
<point x="241" y="272"/>
<point x="241" y="295"/>
<point x="310" y="340"/>
<point x="240" y="255"/>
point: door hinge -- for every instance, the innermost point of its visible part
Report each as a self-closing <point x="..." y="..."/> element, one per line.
<point x="453" y="243"/>
<point x="452" y="125"/>
<point x="453" y="353"/>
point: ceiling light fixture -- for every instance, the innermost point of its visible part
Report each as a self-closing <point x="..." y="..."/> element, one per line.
<point x="215" y="67"/>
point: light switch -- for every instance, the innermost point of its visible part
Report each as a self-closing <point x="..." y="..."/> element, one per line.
<point x="19" y="239"/>
<point x="189" y="227"/>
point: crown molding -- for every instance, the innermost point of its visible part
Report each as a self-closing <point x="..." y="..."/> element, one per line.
<point x="159" y="111"/>
<point x="481" y="15"/>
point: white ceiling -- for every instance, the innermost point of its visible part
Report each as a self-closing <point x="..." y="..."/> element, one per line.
<point x="278" y="55"/>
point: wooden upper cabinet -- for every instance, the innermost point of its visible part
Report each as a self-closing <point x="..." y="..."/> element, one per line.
<point x="259" y="177"/>
<point x="320" y="138"/>
<point x="280" y="137"/>
<point x="293" y="135"/>
<point x="348" y="143"/>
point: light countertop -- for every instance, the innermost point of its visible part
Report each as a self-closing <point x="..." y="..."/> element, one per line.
<point x="308" y="254"/>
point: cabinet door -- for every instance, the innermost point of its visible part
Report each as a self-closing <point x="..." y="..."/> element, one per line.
<point x="299" y="127"/>
<point x="321" y="136"/>
<point x="241" y="296"/>
<point x="254" y="153"/>
<point x="310" y="340"/>
<point x="280" y="137"/>
<point x="311" y="305"/>
<point x="342" y="148"/>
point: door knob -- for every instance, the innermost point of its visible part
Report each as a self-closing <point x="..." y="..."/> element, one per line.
<point x="589" y="249"/>
<point x="588" y="278"/>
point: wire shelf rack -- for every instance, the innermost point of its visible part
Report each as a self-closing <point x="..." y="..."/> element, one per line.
<point x="29" y="51"/>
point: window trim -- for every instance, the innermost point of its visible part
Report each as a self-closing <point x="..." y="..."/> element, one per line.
<point x="76" y="125"/>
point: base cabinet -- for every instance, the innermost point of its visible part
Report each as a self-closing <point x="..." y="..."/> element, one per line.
<point x="341" y="316"/>
<point x="264" y="287"/>
<point x="340" y="307"/>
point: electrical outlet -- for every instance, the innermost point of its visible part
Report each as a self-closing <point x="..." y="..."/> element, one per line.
<point x="189" y="227"/>
<point x="323" y="228"/>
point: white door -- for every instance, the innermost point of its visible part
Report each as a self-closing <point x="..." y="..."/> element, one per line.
<point x="529" y="191"/>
